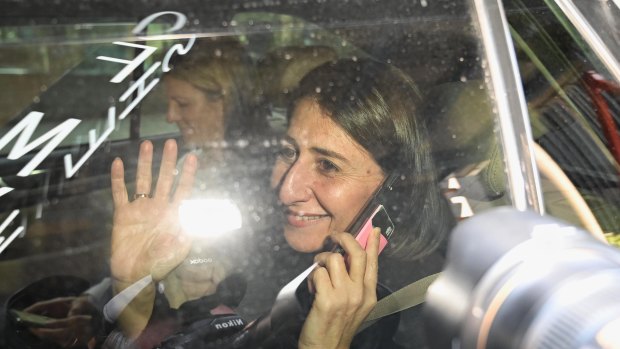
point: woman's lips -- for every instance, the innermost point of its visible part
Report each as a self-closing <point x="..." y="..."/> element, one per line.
<point x="303" y="220"/>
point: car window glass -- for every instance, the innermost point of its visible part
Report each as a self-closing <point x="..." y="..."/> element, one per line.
<point x="573" y="103"/>
<point x="86" y="111"/>
<point x="52" y="66"/>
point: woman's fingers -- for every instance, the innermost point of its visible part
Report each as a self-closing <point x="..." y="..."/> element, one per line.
<point x="372" y="260"/>
<point x="167" y="174"/>
<point x="167" y="170"/>
<point x="356" y="256"/>
<point x="57" y="307"/>
<point x="321" y="283"/>
<point x="371" y="273"/>
<point x="60" y="336"/>
<point x="343" y="296"/>
<point x="184" y="188"/>
<point x="119" y="190"/>
<point x="361" y="276"/>
<point x="144" y="174"/>
<point x="335" y="266"/>
<point x="66" y="332"/>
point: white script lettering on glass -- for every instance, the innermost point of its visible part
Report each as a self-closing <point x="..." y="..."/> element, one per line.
<point x="134" y="94"/>
<point x="26" y="127"/>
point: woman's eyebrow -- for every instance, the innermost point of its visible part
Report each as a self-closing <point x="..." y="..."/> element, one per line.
<point x="318" y="150"/>
<point x="329" y="153"/>
<point x="291" y="140"/>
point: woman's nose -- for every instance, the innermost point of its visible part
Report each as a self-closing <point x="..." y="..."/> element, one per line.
<point x="296" y="184"/>
<point x="172" y="115"/>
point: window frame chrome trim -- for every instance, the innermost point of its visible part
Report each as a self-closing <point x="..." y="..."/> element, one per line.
<point x="513" y="117"/>
<point x="600" y="48"/>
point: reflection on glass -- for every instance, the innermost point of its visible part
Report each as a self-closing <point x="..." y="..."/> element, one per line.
<point x="223" y="216"/>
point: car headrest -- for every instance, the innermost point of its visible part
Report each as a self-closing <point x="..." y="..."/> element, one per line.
<point x="461" y="122"/>
<point x="283" y="68"/>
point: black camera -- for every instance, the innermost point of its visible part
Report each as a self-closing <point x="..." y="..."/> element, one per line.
<point x="519" y="280"/>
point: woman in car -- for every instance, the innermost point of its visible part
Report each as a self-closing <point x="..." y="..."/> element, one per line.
<point x="352" y="123"/>
<point x="212" y="94"/>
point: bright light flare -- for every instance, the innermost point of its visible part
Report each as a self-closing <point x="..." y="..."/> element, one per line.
<point x="209" y="217"/>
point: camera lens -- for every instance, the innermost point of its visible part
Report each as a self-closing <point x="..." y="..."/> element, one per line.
<point x="518" y="280"/>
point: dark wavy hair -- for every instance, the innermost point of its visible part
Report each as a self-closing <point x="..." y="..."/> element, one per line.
<point x="377" y="105"/>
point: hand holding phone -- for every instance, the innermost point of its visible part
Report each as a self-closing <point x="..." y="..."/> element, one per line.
<point x="30" y="319"/>
<point x="72" y="321"/>
<point x="295" y="299"/>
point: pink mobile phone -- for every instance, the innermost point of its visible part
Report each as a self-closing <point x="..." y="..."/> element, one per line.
<point x="374" y="215"/>
<point x="378" y="219"/>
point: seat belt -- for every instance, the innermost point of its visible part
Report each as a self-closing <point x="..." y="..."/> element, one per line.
<point x="405" y="298"/>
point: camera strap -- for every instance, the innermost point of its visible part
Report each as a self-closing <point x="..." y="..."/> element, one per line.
<point x="405" y="298"/>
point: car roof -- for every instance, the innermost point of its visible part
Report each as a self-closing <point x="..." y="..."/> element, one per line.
<point x="324" y="11"/>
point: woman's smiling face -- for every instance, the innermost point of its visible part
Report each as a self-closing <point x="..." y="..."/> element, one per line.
<point x="322" y="176"/>
<point x="199" y="114"/>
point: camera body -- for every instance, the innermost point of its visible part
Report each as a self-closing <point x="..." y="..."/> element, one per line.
<point x="519" y="280"/>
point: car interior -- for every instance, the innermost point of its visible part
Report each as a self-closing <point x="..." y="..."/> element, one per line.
<point x="284" y="43"/>
<point x="68" y="220"/>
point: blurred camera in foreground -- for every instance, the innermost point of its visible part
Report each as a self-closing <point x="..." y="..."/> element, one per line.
<point x="518" y="280"/>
